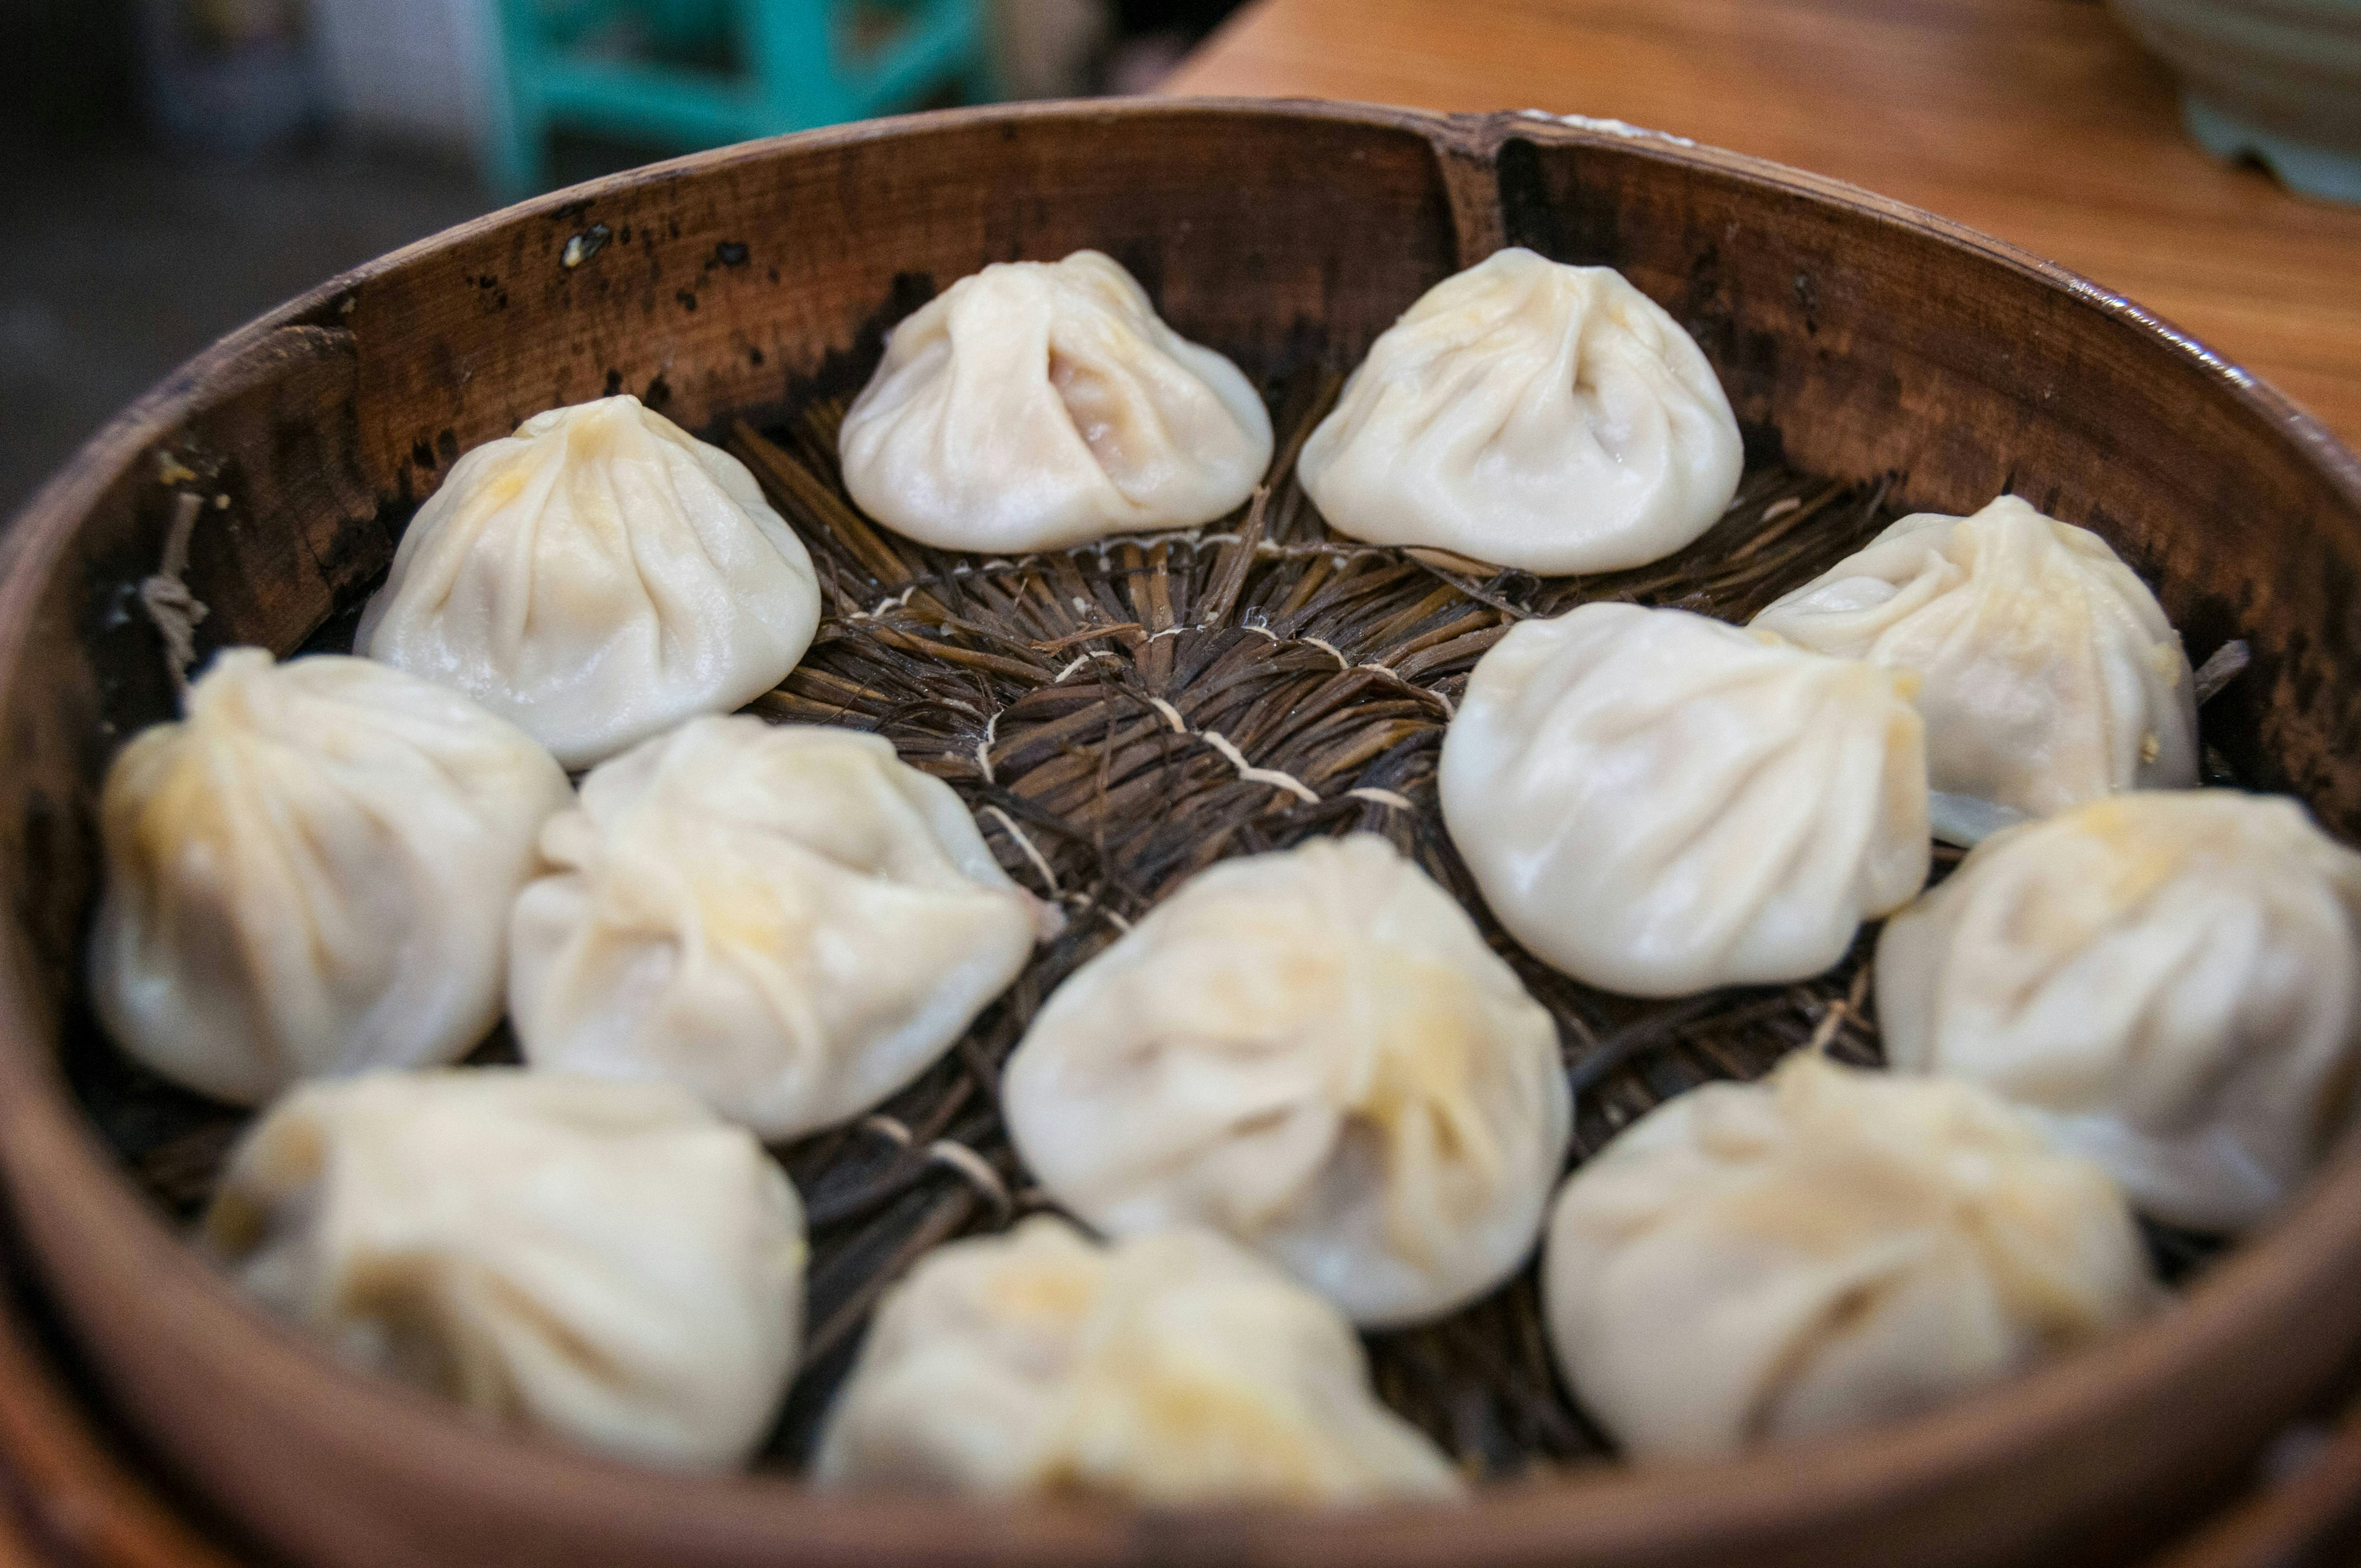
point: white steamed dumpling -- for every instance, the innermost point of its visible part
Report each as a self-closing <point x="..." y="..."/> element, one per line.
<point x="311" y="874"/>
<point x="595" y="579"/>
<point x="786" y="920"/>
<point x="2051" y="674"/>
<point x="1829" y="1248"/>
<point x="603" y="1262"/>
<point x="1313" y="1051"/>
<point x="2170" y="983"/>
<point x="1660" y="803"/>
<point x="1530" y="414"/>
<point x="1038" y="405"/>
<point x="1166" y="1370"/>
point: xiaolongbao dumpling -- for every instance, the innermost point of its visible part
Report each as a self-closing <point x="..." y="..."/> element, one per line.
<point x="2169" y="983"/>
<point x="595" y="579"/>
<point x="603" y="1262"/>
<point x="1530" y="414"/>
<point x="1313" y="1051"/>
<point x="784" y="919"/>
<point x="2051" y="675"/>
<point x="1038" y="405"/>
<point x="311" y="874"/>
<point x="1828" y="1248"/>
<point x="1659" y="804"/>
<point x="1165" y="1369"/>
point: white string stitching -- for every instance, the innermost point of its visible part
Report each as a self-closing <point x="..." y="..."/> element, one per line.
<point x="1391" y="673"/>
<point x="885" y="605"/>
<point x="1780" y="508"/>
<point x="1084" y="659"/>
<point x="887" y="1127"/>
<point x="1329" y="649"/>
<point x="1040" y="863"/>
<point x="999" y="566"/>
<point x="1342" y="663"/>
<point x="1271" y="550"/>
<point x="1413" y="687"/>
<point x="1274" y="777"/>
<point x="958" y="1157"/>
<point x="983" y="746"/>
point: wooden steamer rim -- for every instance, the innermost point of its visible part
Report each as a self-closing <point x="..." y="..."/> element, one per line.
<point x="2113" y="1445"/>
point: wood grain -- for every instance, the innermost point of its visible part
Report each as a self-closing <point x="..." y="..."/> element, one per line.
<point x="2038" y="121"/>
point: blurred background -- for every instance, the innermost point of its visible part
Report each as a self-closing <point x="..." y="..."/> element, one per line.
<point x="169" y="168"/>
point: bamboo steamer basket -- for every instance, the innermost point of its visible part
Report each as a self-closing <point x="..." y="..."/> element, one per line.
<point x="1858" y="339"/>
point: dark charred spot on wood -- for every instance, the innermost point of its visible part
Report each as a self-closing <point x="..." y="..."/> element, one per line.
<point x="728" y="253"/>
<point x="1528" y="217"/>
<point x="658" y="393"/>
<point x="1807" y="299"/>
<point x="844" y="371"/>
<point x="447" y="445"/>
<point x="570" y="212"/>
<point x="686" y="299"/>
<point x="753" y="356"/>
<point x="773" y="273"/>
<point x="623" y="235"/>
<point x="422" y="455"/>
<point x="614" y="383"/>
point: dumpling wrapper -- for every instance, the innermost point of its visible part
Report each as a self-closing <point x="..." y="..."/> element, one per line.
<point x="1165" y="1369"/>
<point x="2051" y="676"/>
<point x="311" y="874"/>
<point x="786" y="920"/>
<point x="1313" y="1051"/>
<point x="1036" y="404"/>
<point x="1659" y="804"/>
<point x="1829" y="1248"/>
<point x="602" y="1262"/>
<point x="1530" y="414"/>
<point x="2168" y="982"/>
<point x="595" y="579"/>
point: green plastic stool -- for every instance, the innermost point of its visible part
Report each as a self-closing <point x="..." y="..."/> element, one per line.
<point x="793" y="72"/>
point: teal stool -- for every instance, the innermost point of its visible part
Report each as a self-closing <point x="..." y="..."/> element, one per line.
<point x="793" y="70"/>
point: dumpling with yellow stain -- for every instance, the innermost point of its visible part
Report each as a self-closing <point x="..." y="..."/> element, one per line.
<point x="786" y="920"/>
<point x="604" y="1263"/>
<point x="2051" y="675"/>
<point x="1658" y="803"/>
<point x="1036" y="404"/>
<point x="2169" y="981"/>
<point x="1829" y="1248"/>
<point x="595" y="578"/>
<point x="1313" y="1051"/>
<point x="310" y="874"/>
<point x="1530" y="414"/>
<point x="1167" y="1368"/>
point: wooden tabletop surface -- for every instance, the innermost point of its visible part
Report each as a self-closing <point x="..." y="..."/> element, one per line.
<point x="2040" y="121"/>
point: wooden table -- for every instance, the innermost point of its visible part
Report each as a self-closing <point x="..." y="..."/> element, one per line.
<point x="2040" y="121"/>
